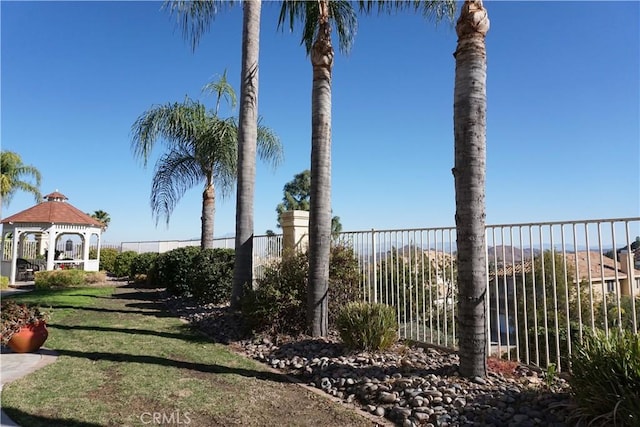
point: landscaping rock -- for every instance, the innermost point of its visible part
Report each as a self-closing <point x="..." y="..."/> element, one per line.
<point x="408" y="385"/>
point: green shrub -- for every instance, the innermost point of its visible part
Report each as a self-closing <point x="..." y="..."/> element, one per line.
<point x="605" y="379"/>
<point x="368" y="326"/>
<point x="108" y="259"/>
<point x="122" y="263"/>
<point x="211" y="275"/>
<point x="172" y="270"/>
<point x="278" y="304"/>
<point x="4" y="282"/>
<point x="141" y="266"/>
<point x="67" y="278"/>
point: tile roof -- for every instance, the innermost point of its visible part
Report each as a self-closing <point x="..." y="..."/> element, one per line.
<point x="54" y="210"/>
<point x="607" y="268"/>
<point x="510" y="269"/>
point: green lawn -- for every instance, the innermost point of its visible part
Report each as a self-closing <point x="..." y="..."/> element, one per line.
<point x="123" y="361"/>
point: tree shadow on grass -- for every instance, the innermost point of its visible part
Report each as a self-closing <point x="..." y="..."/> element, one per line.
<point x="25" y="419"/>
<point x="150" y="306"/>
<point x="133" y="292"/>
<point x="186" y="336"/>
<point x="108" y="310"/>
<point x="180" y="364"/>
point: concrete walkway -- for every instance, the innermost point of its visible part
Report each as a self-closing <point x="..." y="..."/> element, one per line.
<point x="17" y="365"/>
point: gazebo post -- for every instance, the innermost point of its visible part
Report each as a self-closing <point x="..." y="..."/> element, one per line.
<point x="14" y="256"/>
<point x="85" y="248"/>
<point x="51" y="252"/>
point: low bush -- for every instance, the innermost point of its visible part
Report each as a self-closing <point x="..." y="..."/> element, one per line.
<point x="108" y="259"/>
<point x="67" y="278"/>
<point x="4" y="282"/>
<point x="211" y="276"/>
<point x="140" y="270"/>
<point x="172" y="270"/>
<point x="605" y="379"/>
<point x="278" y="304"/>
<point x="368" y="326"/>
<point x="206" y="275"/>
<point x="122" y="263"/>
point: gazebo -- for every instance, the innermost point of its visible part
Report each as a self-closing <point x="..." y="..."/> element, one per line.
<point x="48" y="222"/>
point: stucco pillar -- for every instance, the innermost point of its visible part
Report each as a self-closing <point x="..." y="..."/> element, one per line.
<point x="627" y="263"/>
<point x="295" y="230"/>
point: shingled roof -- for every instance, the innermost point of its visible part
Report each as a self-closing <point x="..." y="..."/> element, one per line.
<point x="54" y="210"/>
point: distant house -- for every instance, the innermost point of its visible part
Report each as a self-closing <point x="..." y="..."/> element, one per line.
<point x="605" y="274"/>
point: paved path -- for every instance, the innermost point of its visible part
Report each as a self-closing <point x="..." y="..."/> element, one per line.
<point x="17" y="365"/>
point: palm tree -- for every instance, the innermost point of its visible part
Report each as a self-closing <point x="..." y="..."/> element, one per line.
<point x="196" y="17"/>
<point x="243" y="263"/>
<point x="201" y="148"/>
<point x="317" y="17"/>
<point x="469" y="111"/>
<point x="12" y="178"/>
<point x="103" y="217"/>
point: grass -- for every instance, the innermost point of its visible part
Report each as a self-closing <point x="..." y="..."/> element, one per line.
<point x="123" y="361"/>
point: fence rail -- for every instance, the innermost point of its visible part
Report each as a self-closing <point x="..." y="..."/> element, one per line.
<point x="63" y="250"/>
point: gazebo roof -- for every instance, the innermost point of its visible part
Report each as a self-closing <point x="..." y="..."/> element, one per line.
<point x="54" y="210"/>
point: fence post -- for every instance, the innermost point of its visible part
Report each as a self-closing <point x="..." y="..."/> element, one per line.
<point x="375" y="266"/>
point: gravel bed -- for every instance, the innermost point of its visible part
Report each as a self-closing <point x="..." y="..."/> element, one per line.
<point x="408" y="385"/>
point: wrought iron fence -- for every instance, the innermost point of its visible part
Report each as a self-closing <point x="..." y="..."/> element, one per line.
<point x="547" y="284"/>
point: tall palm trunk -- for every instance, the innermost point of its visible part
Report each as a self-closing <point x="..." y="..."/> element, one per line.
<point x="470" y="165"/>
<point x="320" y="195"/>
<point x="247" y="137"/>
<point x="208" y="212"/>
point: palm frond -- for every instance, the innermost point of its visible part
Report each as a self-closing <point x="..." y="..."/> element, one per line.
<point x="293" y="11"/>
<point x="345" y="21"/>
<point x="430" y="9"/>
<point x="217" y="152"/>
<point x="307" y="13"/>
<point x="176" y="123"/>
<point x="194" y="17"/>
<point x="175" y="173"/>
<point x="437" y="10"/>
<point x="13" y="175"/>
<point x="268" y="146"/>
<point x="222" y="89"/>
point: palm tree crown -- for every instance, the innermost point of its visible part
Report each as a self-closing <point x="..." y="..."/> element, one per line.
<point x="12" y="178"/>
<point x="201" y="148"/>
<point x="103" y="217"/>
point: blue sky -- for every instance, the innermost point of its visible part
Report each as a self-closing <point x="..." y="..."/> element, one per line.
<point x="563" y="130"/>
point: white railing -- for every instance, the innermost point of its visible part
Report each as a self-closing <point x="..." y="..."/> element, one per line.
<point x="550" y="283"/>
<point x="547" y="283"/>
<point x="63" y="250"/>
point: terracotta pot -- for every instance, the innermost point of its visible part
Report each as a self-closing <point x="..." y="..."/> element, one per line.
<point x="29" y="339"/>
